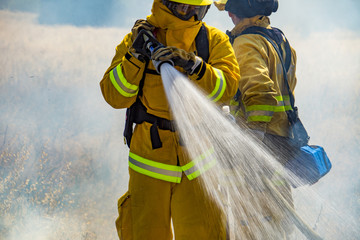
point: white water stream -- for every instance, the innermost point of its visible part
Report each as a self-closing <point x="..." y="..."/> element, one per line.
<point x="239" y="180"/>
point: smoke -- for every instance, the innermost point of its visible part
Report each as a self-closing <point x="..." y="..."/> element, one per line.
<point x="237" y="183"/>
<point x="61" y="153"/>
<point x="327" y="42"/>
<point x="62" y="157"/>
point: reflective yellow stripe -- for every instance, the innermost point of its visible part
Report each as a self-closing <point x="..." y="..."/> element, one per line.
<point x="234" y="103"/>
<point x="154" y="169"/>
<point x="199" y="165"/>
<point x="279" y="98"/>
<point x="259" y="119"/>
<point x="287" y="103"/>
<point x="171" y="173"/>
<point x="260" y="115"/>
<point x="220" y="86"/>
<point x="204" y="168"/>
<point x="119" y="81"/>
<point x="284" y="101"/>
<point x="264" y="113"/>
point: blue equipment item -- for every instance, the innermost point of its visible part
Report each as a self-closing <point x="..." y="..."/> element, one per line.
<point x="310" y="162"/>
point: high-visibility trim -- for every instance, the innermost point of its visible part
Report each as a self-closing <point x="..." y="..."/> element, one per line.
<point x="199" y="165"/>
<point x="259" y="113"/>
<point x="284" y="101"/>
<point x="171" y="173"/>
<point x="287" y="103"/>
<point x="197" y="160"/>
<point x="220" y="86"/>
<point x="203" y="169"/>
<point x="268" y="108"/>
<point x="121" y="84"/>
<point x="259" y="119"/>
<point x="279" y="98"/>
<point x="154" y="169"/>
<point x="234" y="103"/>
<point x="264" y="113"/>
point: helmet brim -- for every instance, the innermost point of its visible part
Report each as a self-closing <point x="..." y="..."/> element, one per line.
<point x="195" y="2"/>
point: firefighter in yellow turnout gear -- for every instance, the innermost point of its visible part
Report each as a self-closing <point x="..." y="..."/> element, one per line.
<point x="263" y="99"/>
<point x="164" y="181"/>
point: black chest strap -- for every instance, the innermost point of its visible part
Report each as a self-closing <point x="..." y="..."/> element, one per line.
<point x="276" y="37"/>
<point x="272" y="35"/>
<point x="202" y="44"/>
<point x="138" y="114"/>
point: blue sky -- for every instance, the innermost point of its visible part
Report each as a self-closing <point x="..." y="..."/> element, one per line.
<point x="304" y="15"/>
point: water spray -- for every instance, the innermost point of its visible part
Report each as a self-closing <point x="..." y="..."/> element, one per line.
<point x="227" y="195"/>
<point x="245" y="168"/>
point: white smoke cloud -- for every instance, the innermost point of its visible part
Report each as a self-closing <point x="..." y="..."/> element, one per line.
<point x="59" y="137"/>
<point x="61" y="147"/>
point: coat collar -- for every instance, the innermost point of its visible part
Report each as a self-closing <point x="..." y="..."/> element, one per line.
<point x="260" y="21"/>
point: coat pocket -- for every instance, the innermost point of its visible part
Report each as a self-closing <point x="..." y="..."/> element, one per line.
<point x="124" y="221"/>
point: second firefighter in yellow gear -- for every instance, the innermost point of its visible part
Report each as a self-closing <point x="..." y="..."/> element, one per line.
<point x="263" y="99"/>
<point x="164" y="181"/>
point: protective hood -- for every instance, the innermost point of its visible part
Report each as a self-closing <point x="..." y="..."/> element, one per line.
<point x="260" y="21"/>
<point x="179" y="33"/>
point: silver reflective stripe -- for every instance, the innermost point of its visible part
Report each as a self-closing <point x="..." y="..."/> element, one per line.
<point x="280" y="104"/>
<point x="120" y="83"/>
<point x="260" y="113"/>
<point x="200" y="165"/>
<point x="154" y="169"/>
<point x="220" y="84"/>
<point x="218" y="91"/>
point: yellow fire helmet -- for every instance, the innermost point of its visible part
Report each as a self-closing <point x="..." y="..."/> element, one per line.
<point x="220" y="4"/>
<point x="194" y="2"/>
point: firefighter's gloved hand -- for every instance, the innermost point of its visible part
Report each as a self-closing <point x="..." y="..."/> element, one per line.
<point x="137" y="48"/>
<point x="139" y="25"/>
<point x="179" y="57"/>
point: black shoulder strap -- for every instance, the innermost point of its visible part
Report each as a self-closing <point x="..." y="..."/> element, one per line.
<point x="202" y="47"/>
<point x="276" y="38"/>
<point x="202" y="43"/>
<point x="276" y="41"/>
<point x="273" y="35"/>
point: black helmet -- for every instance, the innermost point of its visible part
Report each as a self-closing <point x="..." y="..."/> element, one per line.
<point x="251" y="8"/>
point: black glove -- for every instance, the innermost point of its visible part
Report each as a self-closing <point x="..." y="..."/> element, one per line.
<point x="137" y="49"/>
<point x="139" y="25"/>
<point x="179" y="57"/>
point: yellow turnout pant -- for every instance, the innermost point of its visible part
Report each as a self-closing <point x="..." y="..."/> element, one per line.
<point x="146" y="211"/>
